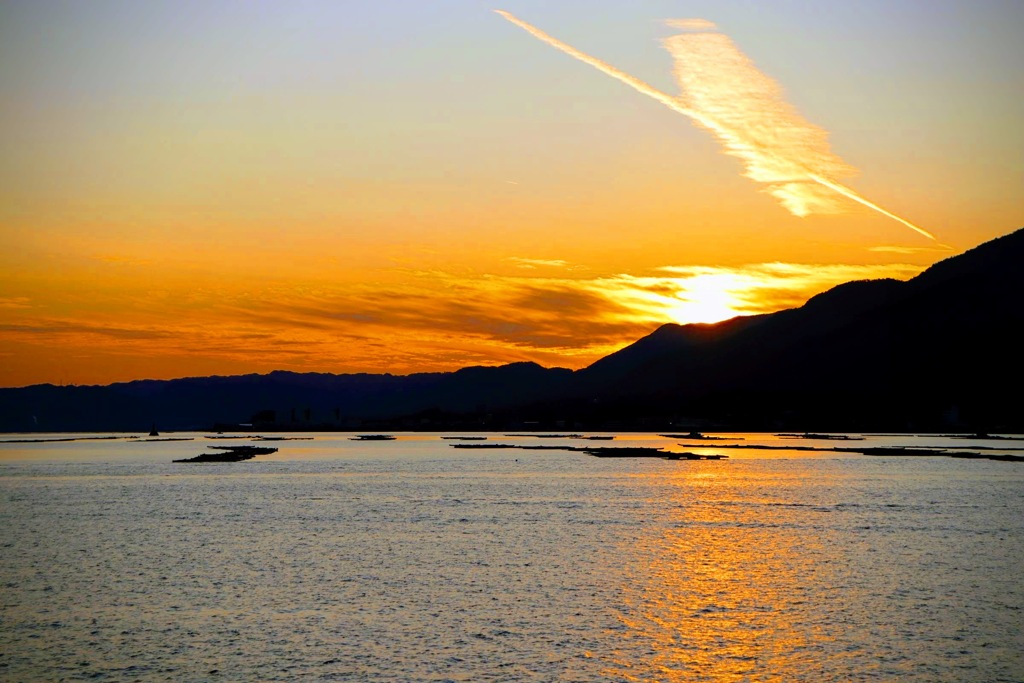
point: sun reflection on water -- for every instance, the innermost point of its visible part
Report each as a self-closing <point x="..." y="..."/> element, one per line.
<point x="720" y="595"/>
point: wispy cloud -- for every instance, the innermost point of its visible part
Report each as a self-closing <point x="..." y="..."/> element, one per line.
<point x="419" y="321"/>
<point x="725" y="93"/>
<point x="536" y="262"/>
<point x="15" y="302"/>
<point x="893" y="249"/>
<point x="70" y="327"/>
<point x="569" y="320"/>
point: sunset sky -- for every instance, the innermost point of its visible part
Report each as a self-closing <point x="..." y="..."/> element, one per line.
<point x="195" y="188"/>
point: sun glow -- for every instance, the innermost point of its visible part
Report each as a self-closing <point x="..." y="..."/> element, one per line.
<point x="710" y="298"/>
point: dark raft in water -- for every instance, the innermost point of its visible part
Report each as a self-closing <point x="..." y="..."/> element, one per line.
<point x="231" y="454"/>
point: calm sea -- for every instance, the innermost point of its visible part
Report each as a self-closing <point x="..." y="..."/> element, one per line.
<point x="410" y="560"/>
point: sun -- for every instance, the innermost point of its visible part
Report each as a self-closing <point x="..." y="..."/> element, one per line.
<point x="710" y="298"/>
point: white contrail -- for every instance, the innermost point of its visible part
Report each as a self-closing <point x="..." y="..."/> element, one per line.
<point x="743" y="108"/>
<point x="636" y="83"/>
<point x="847" y="192"/>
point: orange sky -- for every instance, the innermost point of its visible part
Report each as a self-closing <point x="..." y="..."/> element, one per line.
<point x="221" y="188"/>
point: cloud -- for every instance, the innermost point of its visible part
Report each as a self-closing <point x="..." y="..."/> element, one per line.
<point x="745" y="109"/>
<point x="893" y="249"/>
<point x="692" y="24"/>
<point x="51" y="328"/>
<point x="15" y="302"/>
<point x="575" y="317"/>
<point x="418" y="321"/>
<point x="535" y="262"/>
<point x="725" y="93"/>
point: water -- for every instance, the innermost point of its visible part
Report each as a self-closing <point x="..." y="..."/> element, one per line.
<point x="408" y="560"/>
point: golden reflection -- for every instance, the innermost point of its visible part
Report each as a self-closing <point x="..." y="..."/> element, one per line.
<point x="719" y="593"/>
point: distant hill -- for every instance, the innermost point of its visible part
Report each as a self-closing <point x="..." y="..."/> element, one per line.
<point x="940" y="351"/>
<point x="277" y="400"/>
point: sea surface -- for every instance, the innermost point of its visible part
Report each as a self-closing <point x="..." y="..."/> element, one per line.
<point x="410" y="560"/>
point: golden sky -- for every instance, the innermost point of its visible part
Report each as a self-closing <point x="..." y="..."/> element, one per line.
<point x="221" y="188"/>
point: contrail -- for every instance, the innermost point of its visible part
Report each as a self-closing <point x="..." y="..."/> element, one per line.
<point x="847" y="192"/>
<point x="726" y="94"/>
<point x="635" y="83"/>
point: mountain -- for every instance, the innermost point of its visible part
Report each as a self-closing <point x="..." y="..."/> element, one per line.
<point x="937" y="352"/>
<point x="275" y="400"/>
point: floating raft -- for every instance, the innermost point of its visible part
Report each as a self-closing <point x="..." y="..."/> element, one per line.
<point x="985" y="456"/>
<point x="646" y="452"/>
<point x="623" y="451"/>
<point x="601" y="451"/>
<point x="282" y="438"/>
<point x="171" y="438"/>
<point x="70" y="438"/>
<point x="697" y="436"/>
<point x="231" y="454"/>
<point x="821" y="437"/>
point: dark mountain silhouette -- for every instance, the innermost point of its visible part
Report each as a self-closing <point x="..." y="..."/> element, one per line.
<point x="939" y="351"/>
<point x="275" y="400"/>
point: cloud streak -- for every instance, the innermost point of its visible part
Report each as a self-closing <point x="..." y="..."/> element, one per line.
<point x="536" y="262"/>
<point x="419" y="321"/>
<point x="726" y="94"/>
